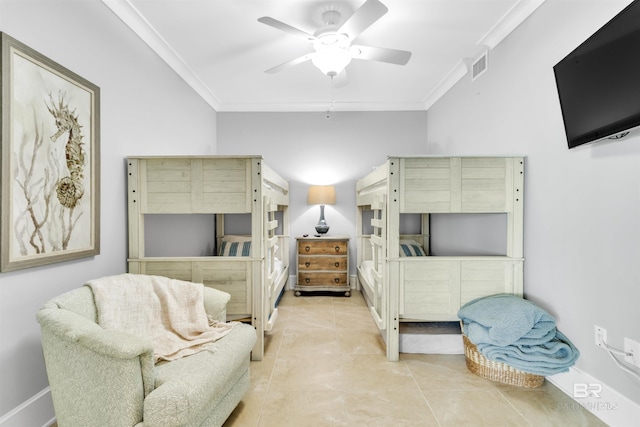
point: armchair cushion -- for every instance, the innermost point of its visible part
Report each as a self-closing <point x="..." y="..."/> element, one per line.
<point x="181" y="384"/>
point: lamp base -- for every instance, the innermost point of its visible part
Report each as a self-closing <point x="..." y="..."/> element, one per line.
<point x="322" y="227"/>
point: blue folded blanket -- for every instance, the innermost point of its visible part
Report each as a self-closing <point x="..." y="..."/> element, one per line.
<point x="512" y="330"/>
<point x="549" y="358"/>
<point x="506" y="319"/>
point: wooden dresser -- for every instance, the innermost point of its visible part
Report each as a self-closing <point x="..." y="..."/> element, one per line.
<point x="323" y="264"/>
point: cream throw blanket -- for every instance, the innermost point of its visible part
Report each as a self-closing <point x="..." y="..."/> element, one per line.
<point x="168" y="312"/>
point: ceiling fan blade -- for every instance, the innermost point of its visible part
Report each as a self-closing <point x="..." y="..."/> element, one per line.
<point x="290" y="64"/>
<point x="367" y="14"/>
<point x="285" y="27"/>
<point x="380" y="54"/>
<point x="340" y="80"/>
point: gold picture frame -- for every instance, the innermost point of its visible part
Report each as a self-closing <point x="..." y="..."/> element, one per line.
<point x="49" y="160"/>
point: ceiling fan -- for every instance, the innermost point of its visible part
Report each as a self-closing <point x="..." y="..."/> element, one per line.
<point x="333" y="48"/>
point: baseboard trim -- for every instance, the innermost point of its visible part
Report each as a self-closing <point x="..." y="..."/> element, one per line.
<point x="36" y="411"/>
<point x="598" y="398"/>
<point x="353" y="282"/>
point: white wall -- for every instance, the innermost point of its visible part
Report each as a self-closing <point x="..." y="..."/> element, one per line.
<point x="307" y="149"/>
<point x="146" y="109"/>
<point x="582" y="207"/>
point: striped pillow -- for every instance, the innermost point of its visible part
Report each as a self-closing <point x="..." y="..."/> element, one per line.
<point x="411" y="248"/>
<point x="235" y="248"/>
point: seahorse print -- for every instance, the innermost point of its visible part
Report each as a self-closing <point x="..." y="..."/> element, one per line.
<point x="70" y="189"/>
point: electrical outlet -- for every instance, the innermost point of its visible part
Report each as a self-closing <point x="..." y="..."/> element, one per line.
<point x="600" y="336"/>
<point x="632" y="347"/>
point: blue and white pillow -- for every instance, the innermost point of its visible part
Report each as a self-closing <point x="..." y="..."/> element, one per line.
<point x="234" y="246"/>
<point x="411" y="248"/>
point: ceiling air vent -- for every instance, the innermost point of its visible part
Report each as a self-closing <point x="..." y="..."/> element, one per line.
<point x="479" y="66"/>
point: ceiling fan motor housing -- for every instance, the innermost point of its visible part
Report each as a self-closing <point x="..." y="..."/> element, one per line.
<point x="331" y="18"/>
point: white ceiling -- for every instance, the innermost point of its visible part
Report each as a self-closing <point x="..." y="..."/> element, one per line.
<point x="221" y="50"/>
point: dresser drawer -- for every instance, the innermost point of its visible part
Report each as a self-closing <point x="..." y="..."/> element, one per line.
<point x="322" y="279"/>
<point x="333" y="263"/>
<point x="322" y="247"/>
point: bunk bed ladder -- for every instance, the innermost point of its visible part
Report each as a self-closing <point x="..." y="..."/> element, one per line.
<point x="270" y="274"/>
<point x="378" y="239"/>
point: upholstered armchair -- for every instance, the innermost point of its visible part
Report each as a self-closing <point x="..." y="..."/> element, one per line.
<point x="102" y="377"/>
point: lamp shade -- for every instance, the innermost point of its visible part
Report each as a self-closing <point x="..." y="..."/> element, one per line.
<point x="322" y="195"/>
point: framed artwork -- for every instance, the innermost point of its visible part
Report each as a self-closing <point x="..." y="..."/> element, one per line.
<point x="50" y="161"/>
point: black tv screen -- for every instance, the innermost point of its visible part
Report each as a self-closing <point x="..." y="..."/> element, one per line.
<point x="599" y="82"/>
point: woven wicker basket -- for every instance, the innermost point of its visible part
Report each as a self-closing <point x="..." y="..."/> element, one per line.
<point x="497" y="371"/>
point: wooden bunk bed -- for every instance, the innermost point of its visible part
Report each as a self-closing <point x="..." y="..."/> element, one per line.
<point x="218" y="185"/>
<point x="432" y="288"/>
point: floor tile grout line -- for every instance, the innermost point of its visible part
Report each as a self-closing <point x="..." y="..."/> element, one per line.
<point x="513" y="406"/>
<point x="424" y="397"/>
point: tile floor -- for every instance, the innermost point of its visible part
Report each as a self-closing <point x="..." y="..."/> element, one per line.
<point x="325" y="365"/>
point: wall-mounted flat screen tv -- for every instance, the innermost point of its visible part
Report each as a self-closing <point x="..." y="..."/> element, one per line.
<point x="599" y="82"/>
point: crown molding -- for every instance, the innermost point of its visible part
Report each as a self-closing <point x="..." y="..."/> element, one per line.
<point x="320" y="106"/>
<point x="454" y="76"/>
<point x="509" y="22"/>
<point x="131" y="17"/>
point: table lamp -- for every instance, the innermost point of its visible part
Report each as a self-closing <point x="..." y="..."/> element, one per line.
<point x="322" y="195"/>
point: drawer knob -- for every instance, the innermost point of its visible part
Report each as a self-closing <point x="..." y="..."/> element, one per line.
<point x="337" y="280"/>
<point x="337" y="248"/>
<point x="307" y="248"/>
<point x="307" y="264"/>
<point x="337" y="264"/>
<point x="307" y="280"/>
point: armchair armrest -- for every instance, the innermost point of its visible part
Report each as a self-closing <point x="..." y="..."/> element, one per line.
<point x="215" y="303"/>
<point x="72" y="327"/>
<point x="97" y="376"/>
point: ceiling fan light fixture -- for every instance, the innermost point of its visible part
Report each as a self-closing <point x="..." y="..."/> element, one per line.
<point x="332" y="41"/>
<point x="331" y="60"/>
